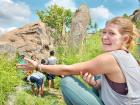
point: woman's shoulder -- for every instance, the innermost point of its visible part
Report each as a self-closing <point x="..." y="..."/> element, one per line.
<point x="105" y="63"/>
<point x="107" y="56"/>
<point x="110" y="57"/>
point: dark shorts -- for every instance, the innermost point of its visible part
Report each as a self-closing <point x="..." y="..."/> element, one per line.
<point x="37" y="81"/>
<point x="50" y="76"/>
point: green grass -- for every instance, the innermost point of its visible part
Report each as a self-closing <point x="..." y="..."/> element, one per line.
<point x="8" y="78"/>
<point x="24" y="98"/>
<point x="90" y="48"/>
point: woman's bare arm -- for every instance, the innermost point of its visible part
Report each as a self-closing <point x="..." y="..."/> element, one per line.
<point x="102" y="64"/>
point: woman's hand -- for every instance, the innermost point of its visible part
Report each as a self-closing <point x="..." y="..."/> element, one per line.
<point x="87" y="77"/>
<point x="30" y="65"/>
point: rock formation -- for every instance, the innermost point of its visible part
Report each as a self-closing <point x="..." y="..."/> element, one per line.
<point x="31" y="39"/>
<point x="79" y="24"/>
<point x="136" y="15"/>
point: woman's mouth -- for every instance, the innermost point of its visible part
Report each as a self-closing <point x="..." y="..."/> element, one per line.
<point x="106" y="43"/>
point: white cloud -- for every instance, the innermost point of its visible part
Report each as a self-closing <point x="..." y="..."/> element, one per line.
<point x="11" y="28"/>
<point x="100" y="13"/>
<point x="67" y="4"/>
<point x="9" y="1"/>
<point x="13" y="12"/>
<point x="3" y="30"/>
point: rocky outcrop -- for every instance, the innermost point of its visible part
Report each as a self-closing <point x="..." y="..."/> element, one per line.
<point x="79" y="25"/>
<point x="136" y="15"/>
<point x="30" y="39"/>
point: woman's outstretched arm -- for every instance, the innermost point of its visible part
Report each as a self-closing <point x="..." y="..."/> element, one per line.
<point x="102" y="64"/>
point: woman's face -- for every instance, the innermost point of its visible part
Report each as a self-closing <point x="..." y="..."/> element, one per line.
<point x="111" y="38"/>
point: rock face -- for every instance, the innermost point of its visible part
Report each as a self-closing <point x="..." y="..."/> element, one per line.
<point x="136" y="15"/>
<point x="79" y="25"/>
<point x="30" y="39"/>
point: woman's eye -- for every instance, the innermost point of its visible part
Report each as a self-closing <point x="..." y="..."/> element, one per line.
<point x="104" y="32"/>
<point x="112" y="33"/>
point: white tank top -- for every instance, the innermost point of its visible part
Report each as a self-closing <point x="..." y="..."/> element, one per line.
<point x="131" y="71"/>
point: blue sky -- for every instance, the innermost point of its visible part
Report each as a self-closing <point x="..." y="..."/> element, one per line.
<point x="16" y="13"/>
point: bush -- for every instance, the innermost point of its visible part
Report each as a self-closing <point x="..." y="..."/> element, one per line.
<point x="8" y="78"/>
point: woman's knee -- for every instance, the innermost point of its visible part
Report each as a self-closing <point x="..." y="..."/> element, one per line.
<point x="67" y="81"/>
<point x="74" y="91"/>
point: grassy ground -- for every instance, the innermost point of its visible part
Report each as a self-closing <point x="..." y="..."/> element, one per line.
<point x="52" y="97"/>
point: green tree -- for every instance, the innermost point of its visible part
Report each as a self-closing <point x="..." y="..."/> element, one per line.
<point x="95" y="26"/>
<point x="92" y="26"/>
<point x="57" y="18"/>
<point x="125" y="15"/>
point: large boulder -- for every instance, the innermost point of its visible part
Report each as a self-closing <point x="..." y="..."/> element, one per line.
<point x="30" y="39"/>
<point x="135" y="15"/>
<point x="80" y="21"/>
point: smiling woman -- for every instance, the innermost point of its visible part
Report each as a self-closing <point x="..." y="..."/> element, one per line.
<point x="117" y="36"/>
<point x="120" y="72"/>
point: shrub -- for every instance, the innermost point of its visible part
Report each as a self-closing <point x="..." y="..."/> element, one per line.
<point x="8" y="78"/>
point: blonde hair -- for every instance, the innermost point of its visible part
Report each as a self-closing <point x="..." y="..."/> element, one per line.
<point x="126" y="28"/>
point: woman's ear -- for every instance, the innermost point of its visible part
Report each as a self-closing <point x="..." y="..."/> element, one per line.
<point x="126" y="39"/>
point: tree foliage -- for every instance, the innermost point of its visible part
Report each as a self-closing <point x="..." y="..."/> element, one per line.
<point x="125" y="15"/>
<point x="57" y="18"/>
<point x="95" y="26"/>
<point x="8" y="77"/>
<point x="92" y="26"/>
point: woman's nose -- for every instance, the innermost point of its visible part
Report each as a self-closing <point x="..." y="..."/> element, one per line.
<point x="105" y="36"/>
